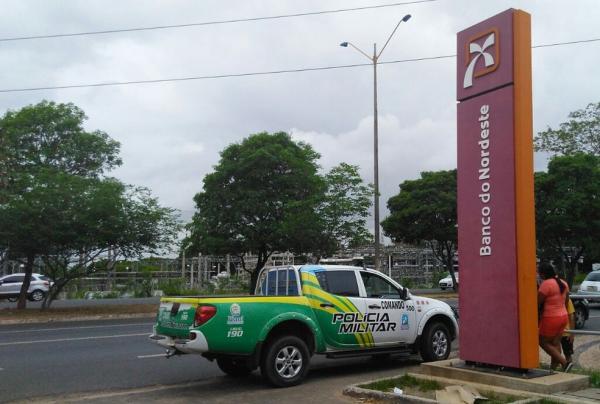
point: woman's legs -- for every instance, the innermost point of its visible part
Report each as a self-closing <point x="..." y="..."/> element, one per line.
<point x="551" y="345"/>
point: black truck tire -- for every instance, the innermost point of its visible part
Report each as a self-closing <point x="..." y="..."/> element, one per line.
<point x="435" y="342"/>
<point x="285" y="362"/>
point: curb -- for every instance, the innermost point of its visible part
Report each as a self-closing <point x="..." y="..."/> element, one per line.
<point x="76" y="318"/>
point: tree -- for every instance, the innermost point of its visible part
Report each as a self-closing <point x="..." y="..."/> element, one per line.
<point x="581" y="133"/>
<point x="107" y="220"/>
<point x="53" y="195"/>
<point x="425" y="211"/>
<point x="261" y="198"/>
<point x="567" y="199"/>
<point x="344" y="209"/>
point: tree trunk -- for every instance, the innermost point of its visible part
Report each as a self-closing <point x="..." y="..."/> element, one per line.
<point x="263" y="257"/>
<point x="26" y="282"/>
<point x="52" y="294"/>
<point x="253" y="280"/>
<point x="571" y="266"/>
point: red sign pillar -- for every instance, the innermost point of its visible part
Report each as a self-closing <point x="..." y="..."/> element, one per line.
<point x="496" y="216"/>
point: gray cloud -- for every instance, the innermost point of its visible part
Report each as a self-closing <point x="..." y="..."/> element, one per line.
<point x="172" y="133"/>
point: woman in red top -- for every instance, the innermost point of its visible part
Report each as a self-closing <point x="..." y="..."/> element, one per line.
<point x="552" y="297"/>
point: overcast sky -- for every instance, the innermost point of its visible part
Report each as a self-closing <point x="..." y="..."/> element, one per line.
<point x="171" y="133"/>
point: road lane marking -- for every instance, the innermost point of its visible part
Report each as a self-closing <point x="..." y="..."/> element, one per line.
<point x="151" y="356"/>
<point x="72" y="339"/>
<point x="74" y="328"/>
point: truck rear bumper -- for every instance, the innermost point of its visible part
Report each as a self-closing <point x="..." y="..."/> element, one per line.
<point x="195" y="344"/>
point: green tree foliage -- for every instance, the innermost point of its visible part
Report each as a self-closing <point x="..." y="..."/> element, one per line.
<point x="425" y="212"/>
<point x="344" y="209"/>
<point x="567" y="199"/>
<point x="57" y="206"/>
<point x="266" y="195"/>
<point x="581" y="133"/>
<point x="261" y="198"/>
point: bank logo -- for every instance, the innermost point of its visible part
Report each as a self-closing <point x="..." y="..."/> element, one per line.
<point x="486" y="45"/>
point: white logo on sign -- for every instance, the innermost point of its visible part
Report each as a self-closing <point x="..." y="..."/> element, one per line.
<point x="488" y="59"/>
<point x="235" y="309"/>
<point x="236" y="317"/>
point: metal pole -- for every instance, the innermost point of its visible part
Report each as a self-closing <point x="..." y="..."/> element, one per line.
<point x="183" y="264"/>
<point x="376" y="157"/>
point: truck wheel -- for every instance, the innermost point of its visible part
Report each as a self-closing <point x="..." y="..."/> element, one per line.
<point x="233" y="367"/>
<point x="285" y="362"/>
<point x="435" y="342"/>
<point x="579" y="317"/>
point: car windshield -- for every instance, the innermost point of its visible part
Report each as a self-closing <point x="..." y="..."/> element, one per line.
<point x="593" y="277"/>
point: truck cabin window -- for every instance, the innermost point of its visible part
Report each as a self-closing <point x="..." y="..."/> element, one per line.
<point x="278" y="282"/>
<point x="342" y="283"/>
<point x="378" y="287"/>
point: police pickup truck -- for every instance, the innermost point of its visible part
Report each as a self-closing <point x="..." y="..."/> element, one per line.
<point x="299" y="311"/>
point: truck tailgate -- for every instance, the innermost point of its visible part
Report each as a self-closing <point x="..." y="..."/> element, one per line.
<point x="174" y="318"/>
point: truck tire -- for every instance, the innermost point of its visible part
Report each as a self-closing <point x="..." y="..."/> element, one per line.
<point x="286" y="361"/>
<point x="435" y="342"/>
<point x="233" y="367"/>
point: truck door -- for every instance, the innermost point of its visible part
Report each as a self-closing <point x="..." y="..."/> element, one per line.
<point x="391" y="319"/>
<point x="338" y="306"/>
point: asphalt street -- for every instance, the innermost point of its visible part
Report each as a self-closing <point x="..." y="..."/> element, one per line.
<point x="65" y="358"/>
<point x="57" y="359"/>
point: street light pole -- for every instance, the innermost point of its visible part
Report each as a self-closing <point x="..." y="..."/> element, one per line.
<point x="376" y="160"/>
<point x="374" y="60"/>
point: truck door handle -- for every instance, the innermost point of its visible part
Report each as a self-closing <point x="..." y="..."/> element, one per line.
<point x="326" y="305"/>
<point x="374" y="306"/>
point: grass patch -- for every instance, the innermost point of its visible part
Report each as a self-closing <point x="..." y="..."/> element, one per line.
<point x="593" y="374"/>
<point x="403" y="382"/>
<point x="494" y="398"/>
<point x="426" y="388"/>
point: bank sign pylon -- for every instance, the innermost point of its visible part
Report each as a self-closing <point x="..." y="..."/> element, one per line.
<point x="496" y="214"/>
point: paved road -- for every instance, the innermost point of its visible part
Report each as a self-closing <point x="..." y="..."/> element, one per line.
<point x="104" y="356"/>
<point x="65" y="358"/>
<point x="593" y="322"/>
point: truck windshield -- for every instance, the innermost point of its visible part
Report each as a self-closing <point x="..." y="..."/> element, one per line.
<point x="278" y="282"/>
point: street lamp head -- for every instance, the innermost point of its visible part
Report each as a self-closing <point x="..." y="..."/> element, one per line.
<point x="344" y="44"/>
<point x="406" y="17"/>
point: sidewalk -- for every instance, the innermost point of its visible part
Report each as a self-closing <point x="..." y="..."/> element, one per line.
<point x="587" y="352"/>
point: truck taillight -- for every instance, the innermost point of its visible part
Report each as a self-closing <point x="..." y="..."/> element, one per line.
<point x="203" y="314"/>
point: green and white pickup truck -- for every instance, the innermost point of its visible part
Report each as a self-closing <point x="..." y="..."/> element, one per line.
<point x="299" y="311"/>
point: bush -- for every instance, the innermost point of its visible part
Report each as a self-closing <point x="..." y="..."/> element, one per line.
<point x="407" y="282"/>
<point x="172" y="287"/>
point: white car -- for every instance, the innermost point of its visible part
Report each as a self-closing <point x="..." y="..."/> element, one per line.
<point x="10" y="286"/>
<point x="591" y="283"/>
<point x="446" y="283"/>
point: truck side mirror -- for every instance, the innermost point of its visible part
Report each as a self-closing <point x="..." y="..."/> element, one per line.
<point x="404" y="293"/>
